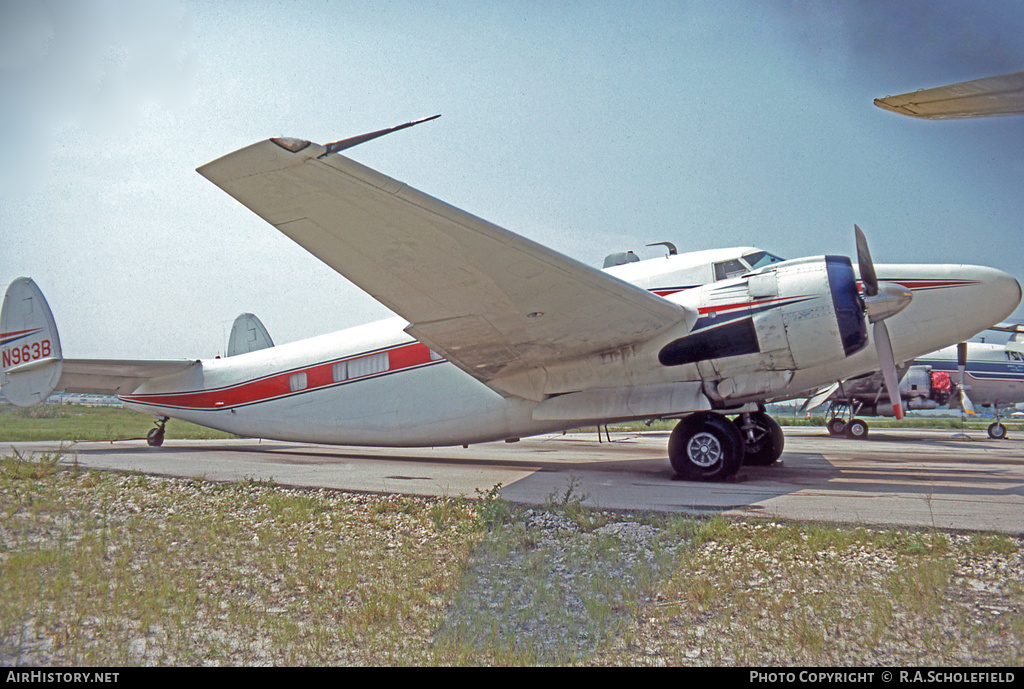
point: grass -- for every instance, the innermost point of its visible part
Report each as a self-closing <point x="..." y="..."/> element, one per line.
<point x="114" y="569"/>
<point x="71" y="422"/>
<point x="910" y="421"/>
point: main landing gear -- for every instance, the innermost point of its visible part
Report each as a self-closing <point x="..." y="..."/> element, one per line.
<point x="709" y="447"/>
<point x="837" y="425"/>
<point x="155" y="437"/>
<point x="854" y="428"/>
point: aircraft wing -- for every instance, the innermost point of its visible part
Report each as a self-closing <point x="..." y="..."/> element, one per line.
<point x="988" y="97"/>
<point x="492" y="302"/>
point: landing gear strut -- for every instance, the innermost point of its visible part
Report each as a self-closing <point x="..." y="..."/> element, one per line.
<point x="763" y="440"/>
<point x="838" y="425"/>
<point x="155" y="437"/>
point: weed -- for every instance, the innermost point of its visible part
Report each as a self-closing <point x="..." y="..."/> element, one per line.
<point x="18" y="466"/>
<point x="491" y="510"/>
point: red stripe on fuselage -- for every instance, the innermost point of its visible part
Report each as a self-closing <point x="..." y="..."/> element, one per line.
<point x="276" y="386"/>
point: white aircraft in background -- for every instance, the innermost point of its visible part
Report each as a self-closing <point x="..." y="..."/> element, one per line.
<point x="968" y="375"/>
<point x="499" y="337"/>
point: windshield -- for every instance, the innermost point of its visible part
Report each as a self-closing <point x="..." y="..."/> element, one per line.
<point x="761" y="258"/>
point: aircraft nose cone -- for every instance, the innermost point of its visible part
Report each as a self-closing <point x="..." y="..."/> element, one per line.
<point x="998" y="296"/>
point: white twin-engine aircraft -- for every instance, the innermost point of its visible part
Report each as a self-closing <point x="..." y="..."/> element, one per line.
<point x="500" y="338"/>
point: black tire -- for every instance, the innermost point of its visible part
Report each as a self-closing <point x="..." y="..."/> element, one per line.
<point x="997" y="431"/>
<point x="835" y="426"/>
<point x="768" y="443"/>
<point x="856" y="429"/>
<point x="705" y="447"/>
<point x="155" y="437"/>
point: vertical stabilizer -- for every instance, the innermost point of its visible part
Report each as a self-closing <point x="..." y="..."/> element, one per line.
<point x="29" y="346"/>
<point x="248" y="335"/>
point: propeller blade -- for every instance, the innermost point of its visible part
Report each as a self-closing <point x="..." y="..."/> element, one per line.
<point x="965" y="402"/>
<point x="867" y="267"/>
<point x="961" y="364"/>
<point x="887" y="362"/>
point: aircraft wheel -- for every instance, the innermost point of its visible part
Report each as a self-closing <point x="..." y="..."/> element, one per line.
<point x="835" y="426"/>
<point x="997" y="431"/>
<point x="767" y="443"/>
<point x="155" y="437"/>
<point x="857" y="429"/>
<point x="705" y="447"/>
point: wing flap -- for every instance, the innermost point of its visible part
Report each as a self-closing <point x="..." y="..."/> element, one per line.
<point x="492" y="302"/>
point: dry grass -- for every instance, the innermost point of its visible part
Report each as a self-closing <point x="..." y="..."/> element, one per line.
<point x="116" y="570"/>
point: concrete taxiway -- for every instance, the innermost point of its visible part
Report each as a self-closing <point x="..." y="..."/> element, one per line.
<point x="911" y="478"/>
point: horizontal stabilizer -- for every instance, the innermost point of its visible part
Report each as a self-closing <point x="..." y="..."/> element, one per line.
<point x="116" y="376"/>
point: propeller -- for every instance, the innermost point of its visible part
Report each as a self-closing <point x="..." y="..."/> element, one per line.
<point x="882" y="300"/>
<point x="961" y="364"/>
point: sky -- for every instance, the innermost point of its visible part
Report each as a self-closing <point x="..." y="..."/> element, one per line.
<point x="590" y="127"/>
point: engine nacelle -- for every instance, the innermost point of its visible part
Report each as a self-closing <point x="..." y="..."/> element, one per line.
<point x="925" y="388"/>
<point x="791" y="316"/>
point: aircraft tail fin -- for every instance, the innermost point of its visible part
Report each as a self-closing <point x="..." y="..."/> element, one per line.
<point x="248" y="335"/>
<point x="29" y="345"/>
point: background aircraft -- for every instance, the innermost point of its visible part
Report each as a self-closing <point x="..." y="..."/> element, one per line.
<point x="500" y="337"/>
<point x="967" y="375"/>
<point x="987" y="97"/>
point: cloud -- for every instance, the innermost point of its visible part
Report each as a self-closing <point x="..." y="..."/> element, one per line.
<point x="942" y="42"/>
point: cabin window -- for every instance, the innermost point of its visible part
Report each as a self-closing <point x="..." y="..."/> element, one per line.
<point x="339" y="371"/>
<point x="297" y="381"/>
<point x="368" y="365"/>
<point x="434" y="356"/>
<point x="729" y="269"/>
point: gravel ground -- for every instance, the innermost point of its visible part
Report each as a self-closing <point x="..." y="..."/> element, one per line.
<point x="107" y="569"/>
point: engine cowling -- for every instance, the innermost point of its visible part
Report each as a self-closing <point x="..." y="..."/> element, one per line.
<point x="791" y="316"/>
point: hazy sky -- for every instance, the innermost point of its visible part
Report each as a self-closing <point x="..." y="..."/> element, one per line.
<point x="590" y="127"/>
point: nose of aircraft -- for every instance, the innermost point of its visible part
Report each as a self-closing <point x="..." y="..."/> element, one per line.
<point x="992" y="299"/>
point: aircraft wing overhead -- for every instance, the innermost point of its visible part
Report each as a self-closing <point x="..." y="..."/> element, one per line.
<point x="988" y="97"/>
<point x="490" y="301"/>
<point x="114" y="376"/>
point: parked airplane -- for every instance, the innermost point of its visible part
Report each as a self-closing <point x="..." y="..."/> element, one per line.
<point x="499" y="337"/>
<point x="968" y="375"/>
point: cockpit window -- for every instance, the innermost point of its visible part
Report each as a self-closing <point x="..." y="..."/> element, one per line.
<point x="759" y="259"/>
<point x="729" y="269"/>
<point x="1014" y="356"/>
